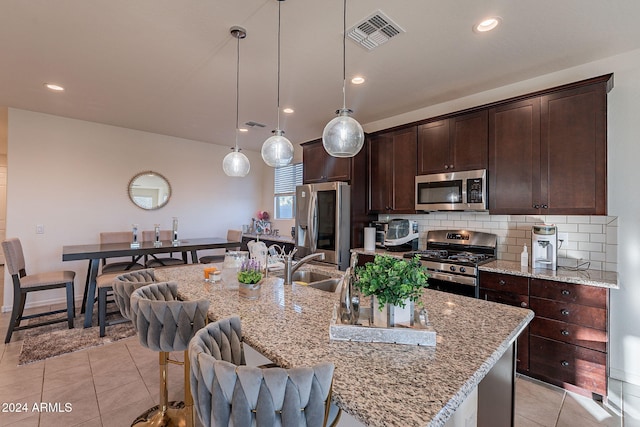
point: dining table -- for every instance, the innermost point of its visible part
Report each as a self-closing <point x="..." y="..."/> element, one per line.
<point x="95" y="252"/>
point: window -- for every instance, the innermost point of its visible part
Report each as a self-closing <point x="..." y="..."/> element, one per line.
<point x="285" y="181"/>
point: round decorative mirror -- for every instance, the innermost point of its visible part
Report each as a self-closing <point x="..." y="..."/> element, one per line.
<point x="149" y="190"/>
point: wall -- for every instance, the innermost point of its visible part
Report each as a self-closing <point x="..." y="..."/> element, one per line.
<point x="71" y="176"/>
<point x="623" y="172"/>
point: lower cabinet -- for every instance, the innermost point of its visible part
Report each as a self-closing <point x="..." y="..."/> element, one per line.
<point x="511" y="290"/>
<point x="566" y="342"/>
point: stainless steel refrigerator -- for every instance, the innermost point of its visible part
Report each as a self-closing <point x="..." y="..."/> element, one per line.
<point x="322" y="221"/>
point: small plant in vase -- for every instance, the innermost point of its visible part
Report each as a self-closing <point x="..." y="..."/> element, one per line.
<point x="393" y="284"/>
<point x="249" y="278"/>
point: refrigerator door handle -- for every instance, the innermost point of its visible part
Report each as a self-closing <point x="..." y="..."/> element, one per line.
<point x="312" y="221"/>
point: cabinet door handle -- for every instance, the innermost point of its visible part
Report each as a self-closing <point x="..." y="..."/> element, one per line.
<point x="565" y="292"/>
<point x="523" y="304"/>
<point x="450" y="166"/>
<point x="565" y="332"/>
<point x="502" y="282"/>
<point x="564" y="363"/>
<point x="446" y="166"/>
<point x="564" y="312"/>
<point x="536" y="206"/>
<point x="545" y="207"/>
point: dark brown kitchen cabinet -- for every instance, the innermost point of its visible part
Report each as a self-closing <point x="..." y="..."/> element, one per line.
<point x="566" y="342"/>
<point x="510" y="290"/>
<point x="547" y="152"/>
<point x="392" y="170"/>
<point x="453" y="144"/>
<point x="569" y="335"/>
<point x="319" y="166"/>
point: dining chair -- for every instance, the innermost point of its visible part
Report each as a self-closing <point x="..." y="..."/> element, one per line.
<point x="157" y="260"/>
<point x="122" y="286"/>
<point x="24" y="283"/>
<point x="227" y="393"/>
<point x="165" y="324"/>
<point x="108" y="237"/>
<point x="232" y="236"/>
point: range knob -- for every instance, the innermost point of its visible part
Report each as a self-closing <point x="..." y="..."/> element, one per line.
<point x="462" y="269"/>
<point x="452" y="268"/>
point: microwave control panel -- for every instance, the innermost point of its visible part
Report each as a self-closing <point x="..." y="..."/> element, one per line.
<point x="474" y="190"/>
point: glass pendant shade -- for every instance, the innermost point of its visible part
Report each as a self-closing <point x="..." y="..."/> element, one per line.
<point x="236" y="164"/>
<point x="343" y="136"/>
<point x="277" y="151"/>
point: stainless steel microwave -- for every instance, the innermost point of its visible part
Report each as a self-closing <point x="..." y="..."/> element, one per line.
<point x="452" y="191"/>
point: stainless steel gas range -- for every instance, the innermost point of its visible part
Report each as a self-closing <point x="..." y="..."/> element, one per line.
<point x="452" y="258"/>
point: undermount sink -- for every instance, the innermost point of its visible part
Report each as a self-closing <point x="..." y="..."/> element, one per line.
<point x="327" y="285"/>
<point x="314" y="279"/>
<point x="308" y="276"/>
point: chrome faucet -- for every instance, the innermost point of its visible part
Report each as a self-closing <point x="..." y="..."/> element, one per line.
<point x="290" y="268"/>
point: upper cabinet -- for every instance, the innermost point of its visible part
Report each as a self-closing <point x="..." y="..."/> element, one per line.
<point x="319" y="166"/>
<point x="453" y="144"/>
<point x="548" y="153"/>
<point x="392" y="171"/>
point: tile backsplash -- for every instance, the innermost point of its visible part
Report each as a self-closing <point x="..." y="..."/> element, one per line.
<point x="592" y="240"/>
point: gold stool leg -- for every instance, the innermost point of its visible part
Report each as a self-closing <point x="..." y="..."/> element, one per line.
<point x="188" y="398"/>
<point x="167" y="414"/>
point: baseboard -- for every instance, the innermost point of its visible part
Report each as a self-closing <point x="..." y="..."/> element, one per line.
<point x="624" y="376"/>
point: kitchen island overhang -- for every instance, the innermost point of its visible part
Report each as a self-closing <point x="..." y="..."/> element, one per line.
<point x="378" y="384"/>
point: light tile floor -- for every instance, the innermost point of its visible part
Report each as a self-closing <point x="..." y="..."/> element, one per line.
<point x="110" y="385"/>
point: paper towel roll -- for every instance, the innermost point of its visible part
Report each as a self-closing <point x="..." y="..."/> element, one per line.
<point x="369" y="238"/>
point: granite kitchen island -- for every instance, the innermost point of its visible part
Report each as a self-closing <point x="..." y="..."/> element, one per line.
<point x="378" y="384"/>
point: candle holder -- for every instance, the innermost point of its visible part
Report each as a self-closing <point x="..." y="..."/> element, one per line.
<point x="134" y="236"/>
<point x="175" y="241"/>
<point x="157" y="242"/>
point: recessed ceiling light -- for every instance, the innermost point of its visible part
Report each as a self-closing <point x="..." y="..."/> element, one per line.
<point x="358" y="80"/>
<point x="487" y="24"/>
<point x="288" y="110"/>
<point x="54" y="87"/>
<point x="243" y="130"/>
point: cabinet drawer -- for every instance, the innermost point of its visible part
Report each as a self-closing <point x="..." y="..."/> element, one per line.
<point x="567" y="292"/>
<point x="571" y="313"/>
<point x="505" y="298"/>
<point x="564" y="363"/>
<point x="594" y="339"/>
<point x="505" y="283"/>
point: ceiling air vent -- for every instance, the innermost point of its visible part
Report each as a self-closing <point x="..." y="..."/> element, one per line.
<point x="254" y="124"/>
<point x="373" y="31"/>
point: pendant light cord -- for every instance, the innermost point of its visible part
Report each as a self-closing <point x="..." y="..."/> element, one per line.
<point x="237" y="92"/>
<point x="278" y="85"/>
<point x="344" y="55"/>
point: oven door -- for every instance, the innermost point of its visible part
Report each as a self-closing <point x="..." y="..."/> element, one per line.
<point x="454" y="284"/>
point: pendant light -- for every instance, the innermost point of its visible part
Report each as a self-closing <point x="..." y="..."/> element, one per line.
<point x="343" y="136"/>
<point x="277" y="151"/>
<point x="236" y="163"/>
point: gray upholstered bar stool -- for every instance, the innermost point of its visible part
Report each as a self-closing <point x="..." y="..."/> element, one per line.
<point x="228" y="394"/>
<point x="122" y="286"/>
<point x="165" y="324"/>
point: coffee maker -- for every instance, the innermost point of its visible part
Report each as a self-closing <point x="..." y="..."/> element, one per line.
<point x="544" y="247"/>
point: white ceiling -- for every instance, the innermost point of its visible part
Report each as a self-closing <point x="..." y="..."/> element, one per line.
<point x="169" y="66"/>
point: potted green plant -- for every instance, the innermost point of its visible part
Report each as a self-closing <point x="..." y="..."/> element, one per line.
<point x="394" y="284"/>
<point x="249" y="277"/>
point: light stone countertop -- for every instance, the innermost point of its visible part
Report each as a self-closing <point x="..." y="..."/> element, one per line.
<point x="379" y="384"/>
<point x="599" y="278"/>
<point x="602" y="279"/>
